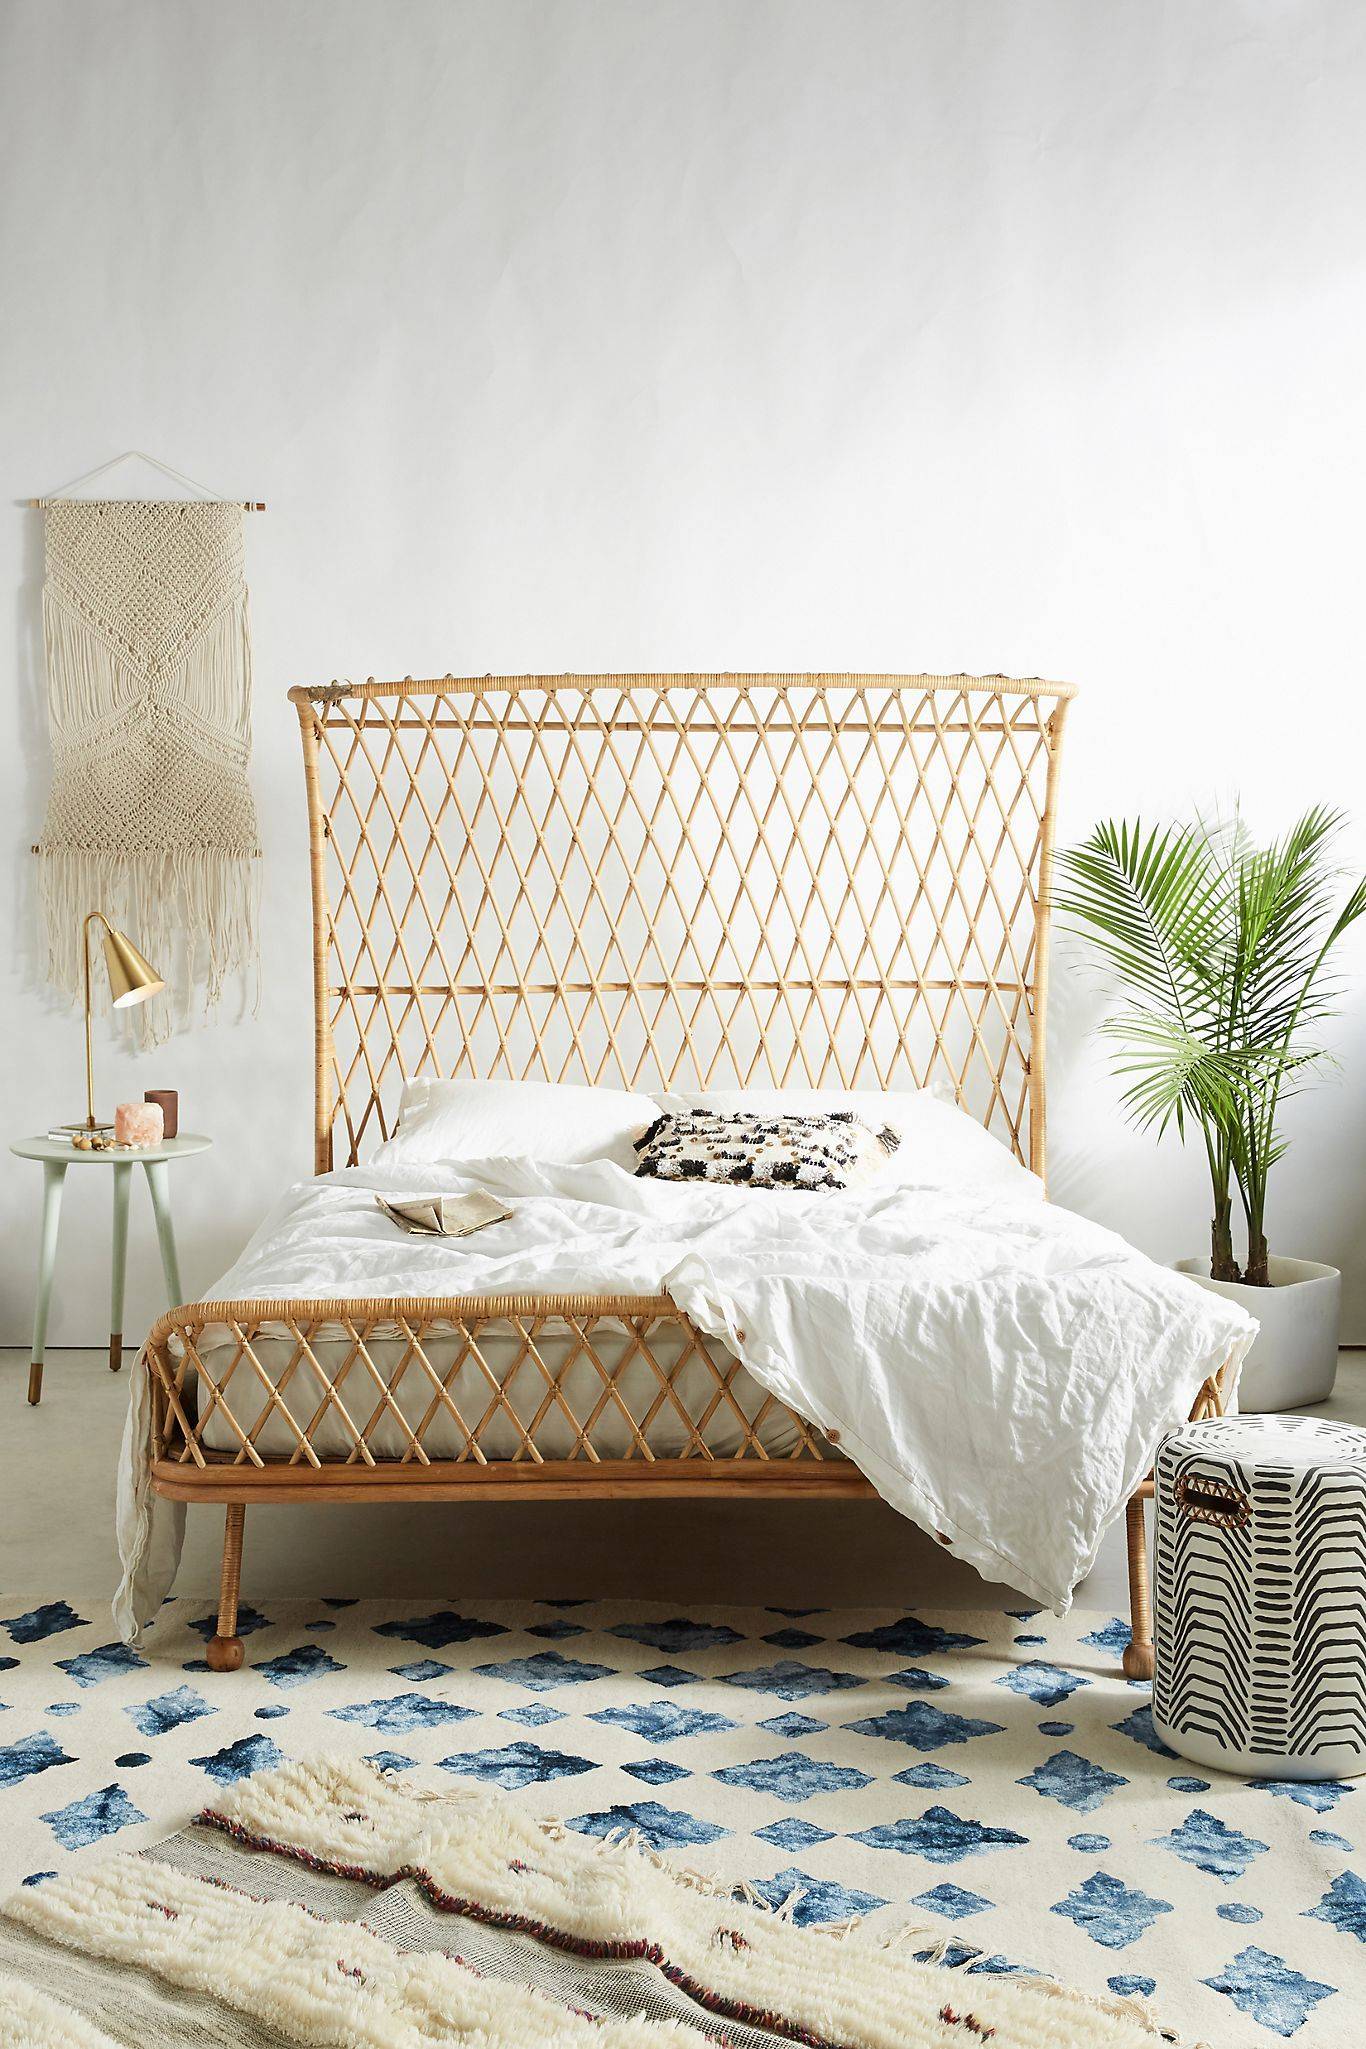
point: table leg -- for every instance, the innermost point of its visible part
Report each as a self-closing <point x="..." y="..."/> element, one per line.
<point x="54" y="1174"/>
<point x="159" y="1186"/>
<point x="123" y="1175"/>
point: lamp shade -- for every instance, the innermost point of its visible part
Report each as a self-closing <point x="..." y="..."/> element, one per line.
<point x="131" y="978"/>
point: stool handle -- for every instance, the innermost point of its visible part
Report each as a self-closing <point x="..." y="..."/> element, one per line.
<point x="1206" y="1500"/>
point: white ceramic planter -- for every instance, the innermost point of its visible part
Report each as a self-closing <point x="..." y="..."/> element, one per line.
<point x="1294" y="1356"/>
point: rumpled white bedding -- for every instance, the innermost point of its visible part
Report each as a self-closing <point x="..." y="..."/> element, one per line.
<point x="1001" y="1369"/>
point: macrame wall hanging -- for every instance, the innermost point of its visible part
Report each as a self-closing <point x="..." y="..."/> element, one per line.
<point x="151" y="817"/>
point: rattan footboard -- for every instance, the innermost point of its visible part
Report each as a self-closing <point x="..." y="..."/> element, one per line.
<point x="357" y="1394"/>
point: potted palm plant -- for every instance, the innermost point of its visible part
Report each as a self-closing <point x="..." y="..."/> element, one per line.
<point x="1224" y="948"/>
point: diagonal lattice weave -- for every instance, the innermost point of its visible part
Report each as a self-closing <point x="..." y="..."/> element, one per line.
<point x="463" y="1381"/>
<point x="679" y="880"/>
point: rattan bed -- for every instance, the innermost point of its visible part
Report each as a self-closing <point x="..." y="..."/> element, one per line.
<point x="649" y="880"/>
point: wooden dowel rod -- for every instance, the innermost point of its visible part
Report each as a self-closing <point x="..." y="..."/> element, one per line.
<point x="41" y="504"/>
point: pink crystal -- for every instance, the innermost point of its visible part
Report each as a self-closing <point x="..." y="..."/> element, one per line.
<point x="138" y="1124"/>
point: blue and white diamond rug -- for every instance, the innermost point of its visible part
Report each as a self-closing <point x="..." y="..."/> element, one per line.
<point x="991" y="1777"/>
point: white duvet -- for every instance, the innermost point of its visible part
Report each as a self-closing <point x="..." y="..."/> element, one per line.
<point x="1000" y="1369"/>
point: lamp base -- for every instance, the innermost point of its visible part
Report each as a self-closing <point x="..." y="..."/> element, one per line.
<point x="91" y="1137"/>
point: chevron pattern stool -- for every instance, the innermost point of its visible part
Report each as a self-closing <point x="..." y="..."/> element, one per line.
<point x="1260" y="1626"/>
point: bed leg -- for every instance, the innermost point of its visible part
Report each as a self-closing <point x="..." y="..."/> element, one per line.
<point x="1138" y="1658"/>
<point x="225" y="1649"/>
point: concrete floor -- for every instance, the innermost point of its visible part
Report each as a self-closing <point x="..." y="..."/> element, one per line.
<point x="57" y="1474"/>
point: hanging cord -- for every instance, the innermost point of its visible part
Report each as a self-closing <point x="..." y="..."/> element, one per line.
<point x="153" y="462"/>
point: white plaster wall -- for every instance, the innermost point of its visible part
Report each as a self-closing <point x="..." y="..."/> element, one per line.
<point x="704" y="333"/>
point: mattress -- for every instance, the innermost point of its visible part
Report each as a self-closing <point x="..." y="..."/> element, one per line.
<point x="568" y="1399"/>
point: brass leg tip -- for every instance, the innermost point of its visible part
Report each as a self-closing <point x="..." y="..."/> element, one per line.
<point x="115" y="1350"/>
<point x="35" y="1384"/>
<point x="224" y="1653"/>
<point x="1138" y="1661"/>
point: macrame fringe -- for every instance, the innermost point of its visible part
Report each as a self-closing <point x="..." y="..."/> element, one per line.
<point x="194" y="913"/>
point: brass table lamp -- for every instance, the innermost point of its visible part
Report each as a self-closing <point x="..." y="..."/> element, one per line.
<point x="132" y="979"/>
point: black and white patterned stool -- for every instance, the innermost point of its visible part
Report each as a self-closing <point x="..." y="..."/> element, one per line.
<point x="1260" y="1627"/>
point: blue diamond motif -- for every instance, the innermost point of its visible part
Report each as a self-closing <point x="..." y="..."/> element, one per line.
<point x="669" y="1675"/>
<point x="662" y="1828"/>
<point x="1139" y="1726"/>
<point x="421" y="1670"/>
<point x="923" y="1727"/>
<point x="1326" y="1836"/>
<point x="792" y="1833"/>
<point x="1210" y="1845"/>
<point x="1265" y="1986"/>
<point x="677" y="1635"/>
<point x="249" y="1620"/>
<point x="793" y="1725"/>
<point x="436" y="1632"/>
<point x="1322" y="1795"/>
<point x="403" y="1712"/>
<point x="912" y="1638"/>
<point x="1113" y="1637"/>
<point x="534" y="1715"/>
<point x="663" y="1721"/>
<point x="556" y="1630"/>
<point x="516" y="1765"/>
<point x="98" y="1814"/>
<point x="1343" y="1906"/>
<point x="34" y="1754"/>
<point x="391" y="1761"/>
<point x="239" y="1760"/>
<point x="916" y="1679"/>
<point x="168" y="1711"/>
<point x="951" y="1901"/>
<point x="1112" y="1914"/>
<point x="940" y="1836"/>
<point x="49" y="1620"/>
<point x="1074" y="1781"/>
<point x="1127" y="1983"/>
<point x="108" y="1662"/>
<point x="1047" y="1684"/>
<point x="657" y="1771"/>
<point x="820" y="1899"/>
<point x="791" y="1680"/>
<point x="933" y="1777"/>
<point x="791" y="1776"/>
<point x="546" y="1669"/>
<point x="792" y="1639"/>
<point x="296" y="1667"/>
<point x="1239" y="1911"/>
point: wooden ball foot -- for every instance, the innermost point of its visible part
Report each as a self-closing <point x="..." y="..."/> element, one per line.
<point x="35" y="1383"/>
<point x="224" y="1653"/>
<point x="1138" y="1661"/>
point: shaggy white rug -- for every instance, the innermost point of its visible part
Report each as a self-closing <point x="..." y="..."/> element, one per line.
<point x="326" y="1903"/>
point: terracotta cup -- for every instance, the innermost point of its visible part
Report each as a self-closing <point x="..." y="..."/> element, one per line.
<point x="170" y="1109"/>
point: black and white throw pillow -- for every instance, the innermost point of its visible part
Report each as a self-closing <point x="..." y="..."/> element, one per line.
<point x="831" y="1149"/>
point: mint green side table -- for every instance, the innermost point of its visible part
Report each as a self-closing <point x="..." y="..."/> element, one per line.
<point x="56" y="1157"/>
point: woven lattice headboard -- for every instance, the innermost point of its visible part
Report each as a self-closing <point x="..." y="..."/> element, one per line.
<point x="697" y="880"/>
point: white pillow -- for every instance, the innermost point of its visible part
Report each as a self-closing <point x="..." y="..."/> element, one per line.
<point x="941" y="1145"/>
<point x="558" y="1123"/>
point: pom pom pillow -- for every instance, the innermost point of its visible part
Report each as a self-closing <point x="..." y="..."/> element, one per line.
<point x="830" y="1150"/>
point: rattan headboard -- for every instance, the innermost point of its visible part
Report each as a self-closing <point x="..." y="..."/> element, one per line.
<point x="700" y="880"/>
